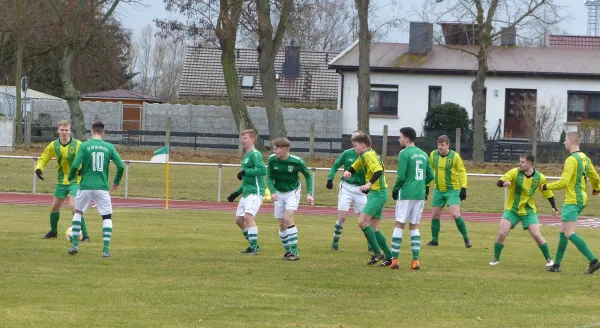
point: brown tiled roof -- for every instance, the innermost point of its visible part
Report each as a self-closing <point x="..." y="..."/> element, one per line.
<point x="120" y="94"/>
<point x="202" y="76"/>
<point x="517" y="61"/>
<point x="574" y="42"/>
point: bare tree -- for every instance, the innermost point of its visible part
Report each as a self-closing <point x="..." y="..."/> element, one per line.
<point x="550" y="117"/>
<point x="364" y="65"/>
<point x="486" y="16"/>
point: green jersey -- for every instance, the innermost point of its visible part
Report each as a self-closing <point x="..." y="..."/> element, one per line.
<point x="347" y="158"/>
<point x="282" y="175"/>
<point x="253" y="181"/>
<point x="414" y="173"/>
<point x="94" y="156"/>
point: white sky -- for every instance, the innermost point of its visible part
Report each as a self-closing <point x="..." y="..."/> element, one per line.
<point x="136" y="17"/>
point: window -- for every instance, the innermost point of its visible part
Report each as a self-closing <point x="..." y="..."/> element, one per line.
<point x="583" y="105"/>
<point x="435" y="96"/>
<point x="384" y="100"/>
<point x="247" y="81"/>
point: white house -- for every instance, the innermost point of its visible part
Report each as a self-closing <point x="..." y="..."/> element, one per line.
<point x="8" y="99"/>
<point x="406" y="79"/>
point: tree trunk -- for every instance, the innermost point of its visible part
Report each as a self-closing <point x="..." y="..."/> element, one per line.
<point x="364" y="65"/>
<point x="269" y="91"/>
<point x="18" y="97"/>
<point x="71" y="94"/>
<point x="478" y="103"/>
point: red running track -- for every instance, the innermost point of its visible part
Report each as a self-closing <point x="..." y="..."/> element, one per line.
<point x="43" y="199"/>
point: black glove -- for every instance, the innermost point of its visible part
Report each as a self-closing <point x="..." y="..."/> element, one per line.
<point x="329" y="184"/>
<point x="38" y="172"/>
<point x="241" y="174"/>
<point x="79" y="173"/>
<point x="366" y="191"/>
<point x="463" y="194"/>
<point x="395" y="194"/>
<point x="233" y="196"/>
<point x="426" y="192"/>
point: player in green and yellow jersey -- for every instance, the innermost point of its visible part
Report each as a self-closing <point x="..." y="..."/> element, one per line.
<point x="349" y="194"/>
<point x="450" y="189"/>
<point x="252" y="190"/>
<point x="282" y="178"/>
<point x="577" y="170"/>
<point x="64" y="149"/>
<point x="414" y="174"/>
<point x="522" y="183"/>
<point x="376" y="187"/>
<point x="94" y="156"/>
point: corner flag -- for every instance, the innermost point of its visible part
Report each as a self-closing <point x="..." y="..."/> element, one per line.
<point x="161" y="155"/>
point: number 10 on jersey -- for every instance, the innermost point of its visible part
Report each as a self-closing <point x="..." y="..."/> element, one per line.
<point x="98" y="162"/>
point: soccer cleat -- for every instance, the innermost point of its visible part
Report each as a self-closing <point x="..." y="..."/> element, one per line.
<point x="386" y="262"/>
<point x="247" y="250"/>
<point x="293" y="257"/>
<point x="334" y="247"/>
<point x="395" y="264"/>
<point x="73" y="250"/>
<point x="549" y="262"/>
<point x="50" y="234"/>
<point x="495" y="261"/>
<point x="376" y="257"/>
<point x="255" y="251"/>
<point x="468" y="243"/>
<point x="415" y="265"/>
<point x="106" y="254"/>
<point x="433" y="243"/>
<point x="554" y="268"/>
<point x="286" y="255"/>
<point x="593" y="267"/>
<point x="85" y="239"/>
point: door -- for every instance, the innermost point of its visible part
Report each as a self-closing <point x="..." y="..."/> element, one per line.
<point x="132" y="120"/>
<point x="519" y="112"/>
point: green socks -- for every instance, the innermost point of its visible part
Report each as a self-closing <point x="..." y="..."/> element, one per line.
<point x="435" y="229"/>
<point x="396" y="242"/>
<point x="382" y="242"/>
<point x="54" y="217"/>
<point x="462" y="227"/>
<point x="245" y="232"/>
<point x="563" y="242"/>
<point x="337" y="232"/>
<point x="84" y="231"/>
<point x="106" y="233"/>
<point x="498" y="250"/>
<point x="372" y="239"/>
<point x="546" y="251"/>
<point x="415" y="243"/>
<point x="582" y="247"/>
<point x="253" y="237"/>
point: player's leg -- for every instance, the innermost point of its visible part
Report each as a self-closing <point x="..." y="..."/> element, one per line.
<point x="359" y="199"/>
<point x="454" y="203"/>
<point x="364" y="221"/>
<point x="569" y="230"/>
<point x="533" y="226"/>
<point x="104" y="205"/>
<point x="344" y="203"/>
<point x="381" y="196"/>
<point x="415" y="213"/>
<point x="509" y="221"/>
<point x="72" y="194"/>
<point x="240" y="220"/>
<point x="291" y="203"/>
<point x="251" y="207"/>
<point x="60" y="193"/>
<point x="438" y="202"/>
<point x="82" y="202"/>
<point x="401" y="217"/>
<point x="279" y="213"/>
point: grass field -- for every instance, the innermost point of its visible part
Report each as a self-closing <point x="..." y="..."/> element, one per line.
<point x="182" y="269"/>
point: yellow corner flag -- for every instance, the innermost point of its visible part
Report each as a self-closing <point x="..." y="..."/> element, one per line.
<point x="162" y="156"/>
<point x="267" y="194"/>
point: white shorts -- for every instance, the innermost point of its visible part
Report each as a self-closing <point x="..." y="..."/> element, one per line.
<point x="409" y="209"/>
<point x="100" y="197"/>
<point x="249" y="204"/>
<point x="287" y="201"/>
<point x="351" y="194"/>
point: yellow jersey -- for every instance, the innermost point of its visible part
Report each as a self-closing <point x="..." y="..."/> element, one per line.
<point x="577" y="170"/>
<point x="521" y="192"/>
<point x="64" y="154"/>
<point x="449" y="171"/>
<point x="370" y="163"/>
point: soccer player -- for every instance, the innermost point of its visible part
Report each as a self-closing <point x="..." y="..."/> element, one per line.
<point x="522" y="183"/>
<point x="349" y="194"/>
<point x="414" y="174"/>
<point x="577" y="170"/>
<point x="252" y="190"/>
<point x="94" y="156"/>
<point x="450" y="189"/>
<point x="64" y="149"/>
<point x="376" y="187"/>
<point x="282" y="177"/>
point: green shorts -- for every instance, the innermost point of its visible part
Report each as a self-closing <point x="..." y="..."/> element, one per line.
<point x="443" y="198"/>
<point x="62" y="191"/>
<point x="375" y="202"/>
<point x="527" y="219"/>
<point x="570" y="212"/>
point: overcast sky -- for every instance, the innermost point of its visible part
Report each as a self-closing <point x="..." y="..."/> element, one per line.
<point x="136" y="17"/>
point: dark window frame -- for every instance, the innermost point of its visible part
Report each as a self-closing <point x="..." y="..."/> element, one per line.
<point x="393" y="89"/>
<point x="586" y="106"/>
<point x="429" y="98"/>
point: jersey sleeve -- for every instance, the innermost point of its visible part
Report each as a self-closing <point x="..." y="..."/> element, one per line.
<point x="431" y="165"/>
<point x="593" y="176"/>
<point x="308" y="176"/>
<point x="259" y="166"/>
<point x="45" y="157"/>
<point x="401" y="173"/>
<point x="461" y="170"/>
<point x="511" y="175"/>
<point x="565" y="178"/>
<point x="270" y="181"/>
<point x="76" y="164"/>
<point x="429" y="176"/>
<point x="358" y="164"/>
<point x="546" y="193"/>
<point x="338" y="162"/>
<point x="116" y="158"/>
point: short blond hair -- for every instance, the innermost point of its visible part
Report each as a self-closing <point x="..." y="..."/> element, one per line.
<point x="63" y="123"/>
<point x="282" y="142"/>
<point x="250" y="132"/>
<point x="363" y="139"/>
<point x="575" y="137"/>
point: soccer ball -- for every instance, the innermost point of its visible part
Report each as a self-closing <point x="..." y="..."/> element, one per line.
<point x="69" y="235"/>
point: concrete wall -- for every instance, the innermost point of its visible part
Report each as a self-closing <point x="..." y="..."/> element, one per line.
<point x="7" y="133"/>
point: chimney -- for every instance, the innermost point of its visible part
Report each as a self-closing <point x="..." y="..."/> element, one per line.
<point x="421" y="38"/>
<point x="508" y="36"/>
<point x="291" y="65"/>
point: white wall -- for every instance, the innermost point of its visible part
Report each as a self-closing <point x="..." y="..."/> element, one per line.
<point x="413" y="97"/>
<point x="7" y="130"/>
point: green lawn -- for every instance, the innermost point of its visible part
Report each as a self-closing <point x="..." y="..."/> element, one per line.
<point x="200" y="183"/>
<point x="182" y="269"/>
